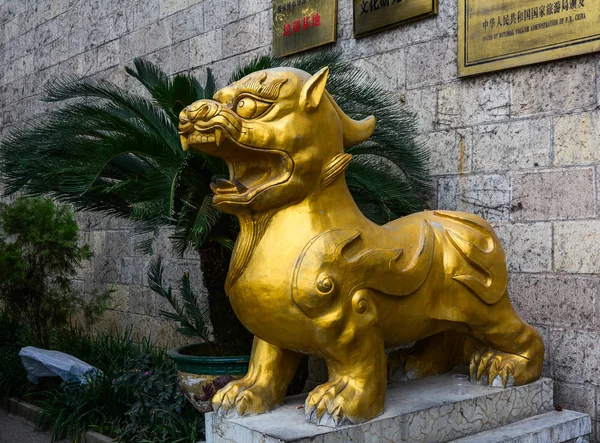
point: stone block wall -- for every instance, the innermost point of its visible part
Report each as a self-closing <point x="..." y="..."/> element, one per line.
<point x="519" y="147"/>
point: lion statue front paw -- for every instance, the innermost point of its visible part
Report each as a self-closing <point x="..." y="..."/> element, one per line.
<point x="241" y="398"/>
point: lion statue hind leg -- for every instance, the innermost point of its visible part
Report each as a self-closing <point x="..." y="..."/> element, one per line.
<point x="433" y="355"/>
<point x="512" y="351"/>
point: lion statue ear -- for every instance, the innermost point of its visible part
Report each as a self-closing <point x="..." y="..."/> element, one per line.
<point x="355" y="131"/>
<point x="313" y="89"/>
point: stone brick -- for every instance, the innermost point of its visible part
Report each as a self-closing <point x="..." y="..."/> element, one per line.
<point x="554" y="87"/>
<point x="576" y="355"/>
<point x="145" y="12"/>
<point x="409" y="34"/>
<point x="424" y="104"/>
<point x="431" y="63"/>
<point x="187" y="23"/>
<point x="108" y="55"/>
<point x="561" y="300"/>
<point x="120" y="21"/>
<point x="169" y="7"/>
<point x="250" y="7"/>
<point x="576" y="139"/>
<point x="528" y="247"/>
<point x="517" y="145"/>
<point x="389" y="69"/>
<point x="132" y="269"/>
<point x="547" y="369"/>
<point x="119" y="296"/>
<point x="473" y="101"/>
<point x="24" y="45"/>
<point x="85" y="65"/>
<point x="577" y="246"/>
<point x="105" y="270"/>
<point x="9" y="10"/>
<point x="345" y="13"/>
<point x="157" y="36"/>
<point x="266" y="26"/>
<point x="449" y="152"/>
<point x="132" y="45"/>
<point x="96" y="240"/>
<point x="227" y="11"/>
<point x="141" y="301"/>
<point x="487" y="196"/>
<point x="119" y="244"/>
<point x="142" y="327"/>
<point x="60" y="6"/>
<point x="580" y="398"/>
<point x="111" y="321"/>
<point x="563" y="194"/>
<point x="47" y="32"/>
<point x="13" y="28"/>
<point x="241" y="36"/>
<point x="447" y="19"/>
<point x="23" y="67"/>
<point x="180" y="57"/>
<point x="205" y="48"/>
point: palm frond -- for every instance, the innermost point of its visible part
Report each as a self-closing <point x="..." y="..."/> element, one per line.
<point x="192" y="319"/>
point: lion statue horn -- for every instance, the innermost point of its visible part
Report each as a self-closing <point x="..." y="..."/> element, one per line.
<point x="355" y="131"/>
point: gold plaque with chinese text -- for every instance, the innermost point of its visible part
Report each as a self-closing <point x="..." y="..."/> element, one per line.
<point x="375" y="15"/>
<point x="501" y="34"/>
<point x="299" y="25"/>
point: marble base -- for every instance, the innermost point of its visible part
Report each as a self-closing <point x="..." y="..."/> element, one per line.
<point x="421" y="411"/>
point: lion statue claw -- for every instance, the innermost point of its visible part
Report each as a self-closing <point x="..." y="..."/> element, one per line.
<point x="310" y="274"/>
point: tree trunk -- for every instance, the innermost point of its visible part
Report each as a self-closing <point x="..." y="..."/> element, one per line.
<point x="230" y="335"/>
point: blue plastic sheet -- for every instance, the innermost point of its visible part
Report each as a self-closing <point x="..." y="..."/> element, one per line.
<point x="44" y="363"/>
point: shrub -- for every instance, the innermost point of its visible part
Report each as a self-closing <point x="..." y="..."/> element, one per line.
<point x="39" y="252"/>
<point x="13" y="381"/>
<point x="135" y="398"/>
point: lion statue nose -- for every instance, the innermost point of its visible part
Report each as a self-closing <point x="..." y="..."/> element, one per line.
<point x="201" y="110"/>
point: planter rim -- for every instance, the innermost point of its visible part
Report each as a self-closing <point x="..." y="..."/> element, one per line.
<point x="177" y="355"/>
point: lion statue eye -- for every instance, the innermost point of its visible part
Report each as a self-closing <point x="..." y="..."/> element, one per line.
<point x="248" y="107"/>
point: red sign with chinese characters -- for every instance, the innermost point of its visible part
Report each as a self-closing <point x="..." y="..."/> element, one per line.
<point x="299" y="25"/>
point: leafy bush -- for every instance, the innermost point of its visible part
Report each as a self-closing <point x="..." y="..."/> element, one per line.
<point x="39" y="252"/>
<point x="13" y="380"/>
<point x="134" y="399"/>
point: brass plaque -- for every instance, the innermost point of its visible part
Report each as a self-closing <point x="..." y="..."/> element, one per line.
<point x="500" y="34"/>
<point x="299" y="25"/>
<point x="375" y="15"/>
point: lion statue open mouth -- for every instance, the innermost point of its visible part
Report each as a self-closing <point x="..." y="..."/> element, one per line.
<point x="310" y="274"/>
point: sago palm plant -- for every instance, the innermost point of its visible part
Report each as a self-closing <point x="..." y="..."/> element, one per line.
<point x="110" y="150"/>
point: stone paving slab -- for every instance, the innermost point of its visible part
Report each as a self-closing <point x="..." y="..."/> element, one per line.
<point x="553" y="426"/>
<point x="15" y="429"/>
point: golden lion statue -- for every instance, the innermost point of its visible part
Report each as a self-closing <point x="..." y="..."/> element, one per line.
<point x="310" y="274"/>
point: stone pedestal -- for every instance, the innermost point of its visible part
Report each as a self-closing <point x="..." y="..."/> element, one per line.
<point x="423" y="411"/>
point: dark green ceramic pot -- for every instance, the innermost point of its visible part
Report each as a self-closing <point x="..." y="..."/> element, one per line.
<point x="200" y="375"/>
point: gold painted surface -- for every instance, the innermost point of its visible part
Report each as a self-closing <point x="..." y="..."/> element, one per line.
<point x="299" y="25"/>
<point x="494" y="35"/>
<point x="375" y="15"/>
<point x="310" y="274"/>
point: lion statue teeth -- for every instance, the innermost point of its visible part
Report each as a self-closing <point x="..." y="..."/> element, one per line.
<point x="310" y="274"/>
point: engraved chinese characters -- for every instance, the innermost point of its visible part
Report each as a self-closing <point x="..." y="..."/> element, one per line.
<point x="375" y="15"/>
<point x="500" y="35"/>
<point x="310" y="274"/>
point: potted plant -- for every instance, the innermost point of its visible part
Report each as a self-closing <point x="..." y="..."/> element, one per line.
<point x="110" y="150"/>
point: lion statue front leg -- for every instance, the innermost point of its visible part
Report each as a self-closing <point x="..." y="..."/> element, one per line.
<point x="263" y="388"/>
<point x="356" y="362"/>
